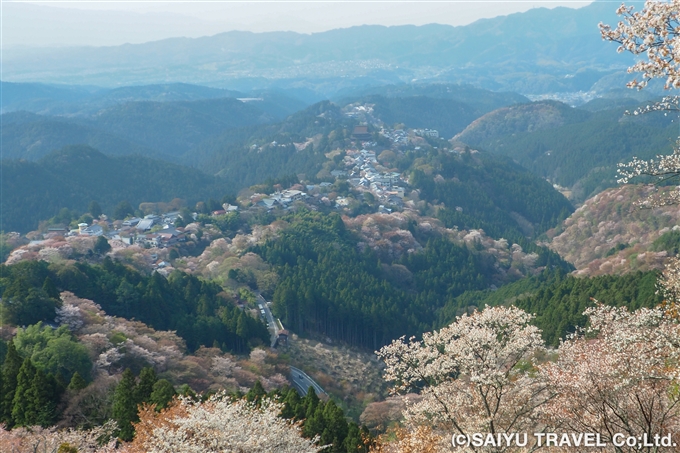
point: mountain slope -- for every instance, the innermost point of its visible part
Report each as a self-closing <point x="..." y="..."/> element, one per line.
<point x="609" y="235"/>
<point x="175" y="127"/>
<point x="574" y="148"/>
<point x="29" y="136"/>
<point x="445" y="115"/>
<point x="80" y="100"/>
<point x="74" y="176"/>
<point x="516" y="119"/>
<point x="483" y="100"/>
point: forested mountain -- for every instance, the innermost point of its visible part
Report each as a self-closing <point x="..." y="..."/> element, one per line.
<point x="328" y="286"/>
<point x="250" y="155"/>
<point x="175" y="127"/>
<point x="559" y="300"/>
<point x="445" y="115"/>
<point x="611" y="235"/>
<point x="30" y="137"/>
<point x="516" y="119"/>
<point x="74" y="176"/>
<point x="193" y="308"/>
<point x="574" y="148"/>
<point x="496" y="195"/>
<point x="163" y="129"/>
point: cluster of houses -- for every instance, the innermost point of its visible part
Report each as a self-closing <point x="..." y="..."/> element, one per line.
<point x="397" y="136"/>
<point x="279" y="199"/>
<point x="432" y="133"/>
<point x="151" y="231"/>
<point x="388" y="187"/>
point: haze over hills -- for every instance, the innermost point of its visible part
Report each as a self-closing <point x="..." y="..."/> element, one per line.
<point x="151" y="121"/>
<point x="154" y="121"/>
<point x="537" y="51"/>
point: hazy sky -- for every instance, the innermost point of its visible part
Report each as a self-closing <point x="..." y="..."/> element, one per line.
<point x="78" y="22"/>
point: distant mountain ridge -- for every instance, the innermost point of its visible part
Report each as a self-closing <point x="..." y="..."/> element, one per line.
<point x="534" y="51"/>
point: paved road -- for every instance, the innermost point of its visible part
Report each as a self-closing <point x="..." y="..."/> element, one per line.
<point x="302" y="382"/>
<point x="272" y="325"/>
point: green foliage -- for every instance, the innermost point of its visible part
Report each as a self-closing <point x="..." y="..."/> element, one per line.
<point x="147" y="380"/>
<point x="23" y="410"/>
<point x="163" y="392"/>
<point x="447" y="116"/>
<point x="328" y="287"/>
<point x="54" y="351"/>
<point x="77" y="382"/>
<point x="94" y="209"/>
<point x="249" y="156"/>
<point x="194" y="308"/>
<point x="27" y="297"/>
<point x="36" y="397"/>
<point x="493" y="194"/>
<point x="122" y="210"/>
<point x="125" y="406"/>
<point x="616" y="249"/>
<point x="256" y="393"/>
<point x="669" y="241"/>
<point x="559" y="301"/>
<point x="10" y="371"/>
<point x="325" y="420"/>
<point x="585" y="153"/>
<point x="67" y="448"/>
<point x="101" y="246"/>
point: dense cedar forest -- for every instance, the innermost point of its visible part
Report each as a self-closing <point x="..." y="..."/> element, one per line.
<point x="329" y="287"/>
<point x="559" y="299"/>
<point x="495" y="195"/>
<point x="584" y="151"/>
<point x="196" y="309"/>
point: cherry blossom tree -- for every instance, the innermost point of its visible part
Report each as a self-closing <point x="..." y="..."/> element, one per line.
<point x="652" y="32"/>
<point x="218" y="425"/>
<point x="35" y="439"/>
<point x="618" y="376"/>
<point x="474" y="376"/>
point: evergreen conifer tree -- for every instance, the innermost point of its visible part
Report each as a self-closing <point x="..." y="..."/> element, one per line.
<point x="23" y="410"/>
<point x="10" y="370"/>
<point x="256" y="393"/>
<point x="162" y="394"/>
<point x="125" y="405"/>
<point x="77" y="382"/>
<point x="51" y="289"/>
<point x="147" y="379"/>
<point x="42" y="402"/>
